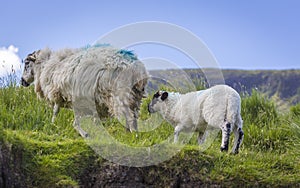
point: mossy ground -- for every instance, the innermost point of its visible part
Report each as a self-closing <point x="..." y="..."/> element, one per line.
<point x="54" y="155"/>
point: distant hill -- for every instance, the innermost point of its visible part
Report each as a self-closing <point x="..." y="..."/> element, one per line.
<point x="284" y="84"/>
<point x="281" y="85"/>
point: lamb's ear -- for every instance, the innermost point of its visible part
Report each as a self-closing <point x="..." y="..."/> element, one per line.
<point x="164" y="96"/>
<point x="156" y="95"/>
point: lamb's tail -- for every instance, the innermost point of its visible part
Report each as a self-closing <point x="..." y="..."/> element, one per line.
<point x="233" y="109"/>
<point x="235" y="121"/>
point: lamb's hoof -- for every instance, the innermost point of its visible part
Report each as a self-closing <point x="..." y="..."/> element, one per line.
<point x="224" y="149"/>
<point x="201" y="142"/>
<point x="234" y="152"/>
<point x="128" y="130"/>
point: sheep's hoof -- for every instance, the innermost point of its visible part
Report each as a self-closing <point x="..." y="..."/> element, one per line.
<point x="84" y="134"/>
<point x="224" y="149"/>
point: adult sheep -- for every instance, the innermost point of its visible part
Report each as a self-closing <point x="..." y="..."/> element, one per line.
<point x="99" y="81"/>
<point x="218" y="107"/>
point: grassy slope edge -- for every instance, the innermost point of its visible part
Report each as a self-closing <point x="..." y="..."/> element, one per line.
<point x="35" y="153"/>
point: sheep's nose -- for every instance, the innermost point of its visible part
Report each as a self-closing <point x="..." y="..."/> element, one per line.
<point x="24" y="83"/>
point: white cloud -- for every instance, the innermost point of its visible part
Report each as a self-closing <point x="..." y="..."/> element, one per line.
<point x="10" y="62"/>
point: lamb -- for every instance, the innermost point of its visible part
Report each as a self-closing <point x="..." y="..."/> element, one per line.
<point x="98" y="80"/>
<point x="216" y="107"/>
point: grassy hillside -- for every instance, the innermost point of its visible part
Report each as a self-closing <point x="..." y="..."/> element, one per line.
<point x="36" y="153"/>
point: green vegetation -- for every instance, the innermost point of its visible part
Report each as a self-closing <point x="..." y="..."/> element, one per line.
<point x="36" y="153"/>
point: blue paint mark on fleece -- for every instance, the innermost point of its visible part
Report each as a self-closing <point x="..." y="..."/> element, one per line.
<point x="127" y="54"/>
<point x="96" y="46"/>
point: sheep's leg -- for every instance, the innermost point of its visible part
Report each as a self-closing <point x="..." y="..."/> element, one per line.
<point x="238" y="136"/>
<point x="76" y="125"/>
<point x="131" y="120"/>
<point x="56" y="108"/>
<point x="82" y="132"/>
<point x="134" y="125"/>
<point x="135" y="116"/>
<point x="226" y="129"/>
<point x="178" y="129"/>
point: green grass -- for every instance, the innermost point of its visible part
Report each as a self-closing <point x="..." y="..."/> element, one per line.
<point x="54" y="155"/>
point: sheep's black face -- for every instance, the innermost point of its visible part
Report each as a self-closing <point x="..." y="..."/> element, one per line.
<point x="158" y="101"/>
<point x="139" y="89"/>
<point x="28" y="73"/>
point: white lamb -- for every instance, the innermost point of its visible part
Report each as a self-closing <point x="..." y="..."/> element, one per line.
<point x="218" y="107"/>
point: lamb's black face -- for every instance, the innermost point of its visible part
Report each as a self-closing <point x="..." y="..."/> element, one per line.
<point x="28" y="73"/>
<point x="157" y="101"/>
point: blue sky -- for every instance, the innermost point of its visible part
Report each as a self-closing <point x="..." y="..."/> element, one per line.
<point x="257" y="34"/>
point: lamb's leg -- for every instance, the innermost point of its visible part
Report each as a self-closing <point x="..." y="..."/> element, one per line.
<point x="178" y="129"/>
<point x="202" y="137"/>
<point x="238" y="136"/>
<point x="206" y="140"/>
<point x="210" y="133"/>
<point x="56" y="108"/>
<point x="226" y="129"/>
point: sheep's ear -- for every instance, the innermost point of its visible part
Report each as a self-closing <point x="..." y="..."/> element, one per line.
<point x="164" y="96"/>
<point x="32" y="56"/>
